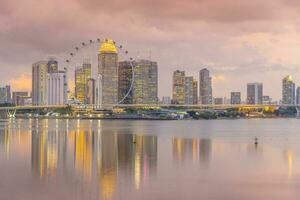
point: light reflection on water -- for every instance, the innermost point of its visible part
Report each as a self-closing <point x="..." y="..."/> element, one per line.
<point x="93" y="159"/>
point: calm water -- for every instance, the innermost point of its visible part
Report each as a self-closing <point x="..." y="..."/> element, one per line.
<point x="149" y="160"/>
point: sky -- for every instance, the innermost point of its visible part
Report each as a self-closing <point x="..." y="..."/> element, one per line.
<point x="239" y="41"/>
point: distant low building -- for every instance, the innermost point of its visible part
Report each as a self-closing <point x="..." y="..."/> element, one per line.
<point x="218" y="100"/>
<point x="18" y="97"/>
<point x="235" y="98"/>
<point x="267" y="100"/>
<point x="166" y="100"/>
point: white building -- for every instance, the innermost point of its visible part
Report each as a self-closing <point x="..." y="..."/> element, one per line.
<point x="56" y="88"/>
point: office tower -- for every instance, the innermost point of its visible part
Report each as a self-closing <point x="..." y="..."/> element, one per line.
<point x="17" y="96"/>
<point x="99" y="91"/>
<point x="52" y="66"/>
<point x="188" y="89"/>
<point x="288" y="90"/>
<point x="82" y="75"/>
<point x="195" y="92"/>
<point x="143" y="89"/>
<point x="108" y="69"/>
<point x="235" y="98"/>
<point x="5" y="94"/>
<point x="91" y="91"/>
<point x="39" y="74"/>
<point x="178" y="87"/>
<point x="166" y="100"/>
<point x="298" y="96"/>
<point x="125" y="84"/>
<point x="218" y="101"/>
<point x="205" y="87"/>
<point x="254" y="93"/>
<point x="56" y="88"/>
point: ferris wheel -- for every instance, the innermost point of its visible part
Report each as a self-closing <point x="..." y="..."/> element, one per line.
<point x="87" y="51"/>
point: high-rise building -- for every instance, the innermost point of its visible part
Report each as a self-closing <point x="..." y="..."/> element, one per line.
<point x="205" y="87"/>
<point x="178" y="87"/>
<point x="5" y="94"/>
<point x="195" y="91"/>
<point x="298" y="96"/>
<point x="52" y="65"/>
<point x="235" y="98"/>
<point x="144" y="87"/>
<point x="56" y="88"/>
<point x="288" y="90"/>
<point x="188" y="89"/>
<point x="82" y="75"/>
<point x="125" y="86"/>
<point x="91" y="91"/>
<point x="39" y="75"/>
<point x="254" y="93"/>
<point x="108" y="69"/>
<point x="17" y="96"/>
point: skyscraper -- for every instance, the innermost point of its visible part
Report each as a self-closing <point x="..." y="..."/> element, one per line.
<point x="188" y="89"/>
<point x="288" y="90"/>
<point x="5" y="94"/>
<point x="91" y="91"/>
<point x="56" y="88"/>
<point x="195" y="92"/>
<point x="108" y="69"/>
<point x="82" y="75"/>
<point x="298" y="96"/>
<point x="254" y="93"/>
<point x="205" y="87"/>
<point x="235" y="98"/>
<point x="178" y="87"/>
<point x="39" y="75"/>
<point x="144" y="88"/>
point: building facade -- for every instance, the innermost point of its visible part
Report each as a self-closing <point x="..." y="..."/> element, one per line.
<point x="108" y="69"/>
<point x="218" y="100"/>
<point x="5" y="94"/>
<point x="195" y="92"/>
<point x="141" y="84"/>
<point x="235" y="98"/>
<point x="56" y="88"/>
<point x="205" y="87"/>
<point x="52" y="65"/>
<point x="288" y="90"/>
<point x="82" y="75"/>
<point x="188" y="89"/>
<point x="39" y="75"/>
<point x="178" y="94"/>
<point x="254" y="93"/>
<point x="91" y="92"/>
<point x="298" y="96"/>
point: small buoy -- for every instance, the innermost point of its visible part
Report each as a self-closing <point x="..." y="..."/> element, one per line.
<point x="255" y="141"/>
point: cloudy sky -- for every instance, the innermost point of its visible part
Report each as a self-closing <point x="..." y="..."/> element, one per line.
<point x="240" y="41"/>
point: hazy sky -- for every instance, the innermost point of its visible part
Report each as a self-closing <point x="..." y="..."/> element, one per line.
<point x="239" y="41"/>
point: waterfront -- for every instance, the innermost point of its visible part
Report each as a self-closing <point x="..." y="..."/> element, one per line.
<point x="128" y="159"/>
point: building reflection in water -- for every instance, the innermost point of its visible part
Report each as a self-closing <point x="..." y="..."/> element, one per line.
<point x="190" y="149"/>
<point x="93" y="153"/>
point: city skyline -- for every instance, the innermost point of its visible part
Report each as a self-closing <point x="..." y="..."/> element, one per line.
<point x="237" y="41"/>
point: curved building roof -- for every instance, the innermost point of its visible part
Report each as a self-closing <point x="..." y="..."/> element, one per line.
<point x="108" y="46"/>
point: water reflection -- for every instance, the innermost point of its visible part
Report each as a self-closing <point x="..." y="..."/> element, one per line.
<point x="114" y="160"/>
<point x="190" y="149"/>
